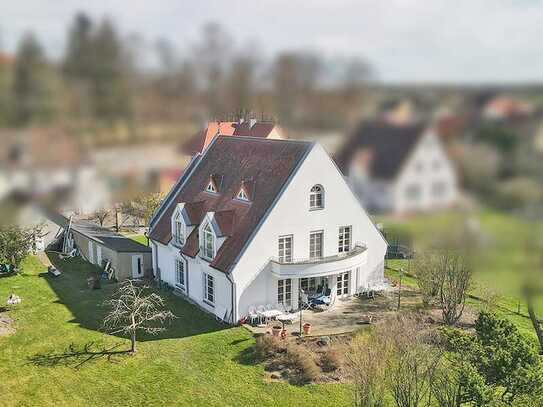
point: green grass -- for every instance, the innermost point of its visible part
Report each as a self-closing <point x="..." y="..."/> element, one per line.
<point x="196" y="362"/>
<point x="139" y="238"/>
<point x="502" y="260"/>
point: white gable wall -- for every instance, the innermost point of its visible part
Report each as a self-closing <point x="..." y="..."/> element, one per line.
<point x="291" y="216"/>
<point x="427" y="167"/>
<point x="194" y="269"/>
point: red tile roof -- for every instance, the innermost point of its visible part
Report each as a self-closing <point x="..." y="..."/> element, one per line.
<point x="267" y="163"/>
<point x="202" y="139"/>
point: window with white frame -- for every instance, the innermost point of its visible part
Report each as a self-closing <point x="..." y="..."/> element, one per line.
<point x="179" y="229"/>
<point x="413" y="192"/>
<point x="180" y="273"/>
<point x="315" y="244"/>
<point x="284" y="292"/>
<point x="316" y="197"/>
<point x="208" y="242"/>
<point x="242" y="195"/>
<point x="211" y="188"/>
<point x="285" y="249"/>
<point x="343" y="283"/>
<point x="344" y="239"/>
<point x="308" y="285"/>
<point x="439" y="189"/>
<point x="209" y="288"/>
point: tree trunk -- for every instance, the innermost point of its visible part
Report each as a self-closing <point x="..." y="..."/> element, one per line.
<point x="535" y="321"/>
<point x="133" y="342"/>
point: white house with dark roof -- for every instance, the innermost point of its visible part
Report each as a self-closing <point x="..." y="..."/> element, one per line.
<point x="252" y="221"/>
<point x="399" y="168"/>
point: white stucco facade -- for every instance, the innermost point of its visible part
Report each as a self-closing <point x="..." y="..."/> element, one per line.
<point x="254" y="277"/>
<point x="426" y="181"/>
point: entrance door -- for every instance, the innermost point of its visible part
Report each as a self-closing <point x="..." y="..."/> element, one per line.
<point x="91" y="252"/>
<point x="137" y="266"/>
<point x="343" y="284"/>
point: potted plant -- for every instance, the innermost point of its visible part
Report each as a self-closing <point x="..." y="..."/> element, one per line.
<point x="283" y="333"/>
<point x="307" y="328"/>
<point x="276" y="330"/>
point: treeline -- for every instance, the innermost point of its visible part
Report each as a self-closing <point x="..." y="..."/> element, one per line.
<point x="105" y="77"/>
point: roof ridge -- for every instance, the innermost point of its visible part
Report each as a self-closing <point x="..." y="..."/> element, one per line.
<point x="268" y="140"/>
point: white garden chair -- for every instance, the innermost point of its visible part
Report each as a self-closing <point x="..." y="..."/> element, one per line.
<point x="252" y="315"/>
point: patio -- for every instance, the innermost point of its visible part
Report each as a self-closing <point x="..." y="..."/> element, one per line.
<point x="347" y="314"/>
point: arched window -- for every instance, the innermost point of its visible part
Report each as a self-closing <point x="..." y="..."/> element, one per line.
<point x="316" y="197"/>
<point x="208" y="242"/>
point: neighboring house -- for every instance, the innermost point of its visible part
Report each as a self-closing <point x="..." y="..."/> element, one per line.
<point x="250" y="128"/>
<point x="128" y="258"/>
<point x="252" y="221"/>
<point x="398" y="168"/>
<point x="47" y="163"/>
<point x="505" y="108"/>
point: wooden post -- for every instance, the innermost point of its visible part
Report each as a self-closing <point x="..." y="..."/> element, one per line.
<point x="400" y="288"/>
<point x="301" y="322"/>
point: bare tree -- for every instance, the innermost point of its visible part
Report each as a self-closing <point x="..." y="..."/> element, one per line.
<point x="365" y="364"/>
<point x="426" y="269"/>
<point x="134" y="308"/>
<point x="447" y="276"/>
<point x="211" y="54"/>
<point x="455" y="281"/>
<point x="142" y="207"/>
<point x="411" y="361"/>
<point x="399" y="358"/>
<point x="100" y="216"/>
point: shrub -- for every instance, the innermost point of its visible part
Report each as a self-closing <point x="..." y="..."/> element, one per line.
<point x="331" y="360"/>
<point x="267" y="346"/>
<point x="302" y="363"/>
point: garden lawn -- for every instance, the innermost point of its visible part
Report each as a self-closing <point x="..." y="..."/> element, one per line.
<point x="501" y="261"/>
<point x="139" y="238"/>
<point x="196" y="362"/>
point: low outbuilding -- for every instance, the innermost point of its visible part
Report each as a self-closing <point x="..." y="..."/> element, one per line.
<point x="123" y="257"/>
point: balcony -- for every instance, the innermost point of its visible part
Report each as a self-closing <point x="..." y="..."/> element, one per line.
<point x="322" y="266"/>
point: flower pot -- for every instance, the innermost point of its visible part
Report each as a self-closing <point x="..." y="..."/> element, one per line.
<point x="307" y="328"/>
<point x="276" y="330"/>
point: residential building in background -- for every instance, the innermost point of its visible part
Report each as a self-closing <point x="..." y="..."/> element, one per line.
<point x="398" y="168"/>
<point x="49" y="164"/>
<point x="252" y="222"/>
<point x="246" y="128"/>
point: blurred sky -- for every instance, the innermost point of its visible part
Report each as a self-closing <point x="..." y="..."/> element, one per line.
<point x="405" y="40"/>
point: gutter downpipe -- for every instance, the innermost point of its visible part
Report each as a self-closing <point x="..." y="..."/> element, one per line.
<point x="233" y="292"/>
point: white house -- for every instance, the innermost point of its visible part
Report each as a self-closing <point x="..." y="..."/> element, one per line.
<point x="399" y="168"/>
<point x="252" y="220"/>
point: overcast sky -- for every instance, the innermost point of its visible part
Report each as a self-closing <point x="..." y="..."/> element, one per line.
<point x="405" y="40"/>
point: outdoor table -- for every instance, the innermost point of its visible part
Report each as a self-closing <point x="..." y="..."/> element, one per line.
<point x="286" y="318"/>
<point x="269" y="314"/>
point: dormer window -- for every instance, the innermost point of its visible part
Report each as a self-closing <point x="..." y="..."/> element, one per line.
<point x="178" y="226"/>
<point x="242" y="195"/>
<point x="179" y="230"/>
<point x="214" y="184"/>
<point x="316" y="197"/>
<point x="211" y="188"/>
<point x="207" y="244"/>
